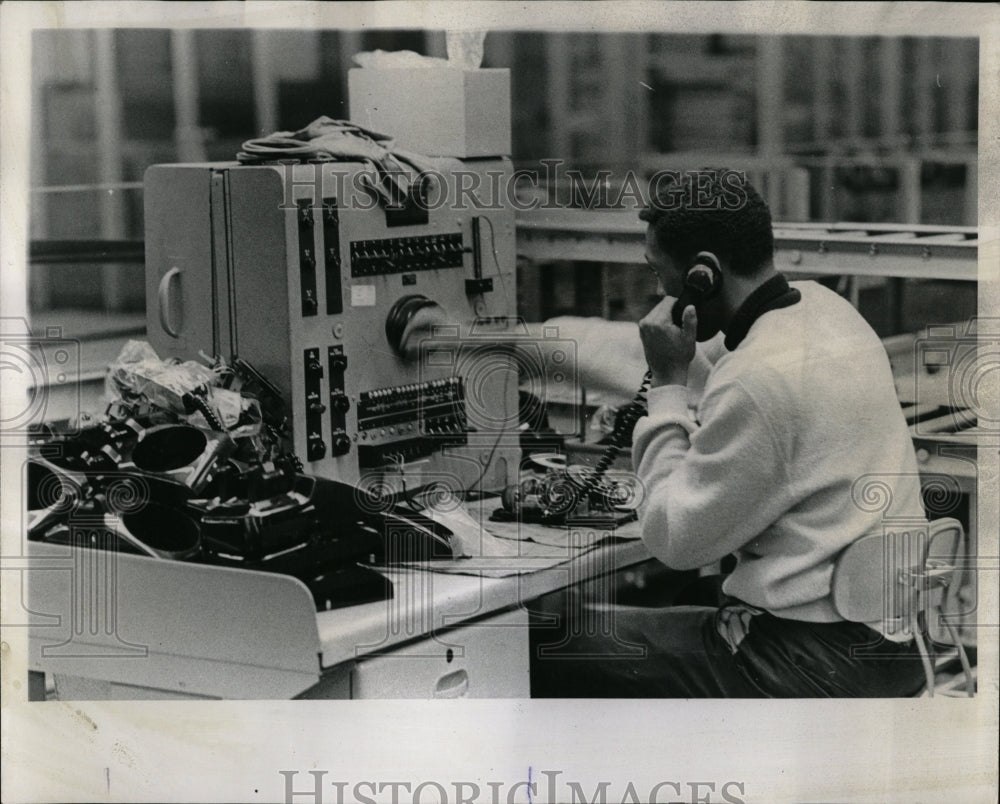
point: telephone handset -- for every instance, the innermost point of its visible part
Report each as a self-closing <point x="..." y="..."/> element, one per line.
<point x="702" y="281"/>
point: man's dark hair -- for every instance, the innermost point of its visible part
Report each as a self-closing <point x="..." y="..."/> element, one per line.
<point x="712" y="209"/>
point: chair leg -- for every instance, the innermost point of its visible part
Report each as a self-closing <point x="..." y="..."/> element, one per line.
<point x="957" y="686"/>
<point x="924" y="657"/>
<point x="962" y="657"/>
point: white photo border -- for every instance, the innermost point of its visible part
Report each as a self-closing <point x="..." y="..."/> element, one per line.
<point x="779" y="751"/>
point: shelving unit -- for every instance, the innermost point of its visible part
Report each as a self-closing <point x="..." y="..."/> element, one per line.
<point x="826" y="126"/>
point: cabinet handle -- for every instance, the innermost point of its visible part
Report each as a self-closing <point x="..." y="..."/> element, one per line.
<point x="453" y="685"/>
<point x="164" y="299"/>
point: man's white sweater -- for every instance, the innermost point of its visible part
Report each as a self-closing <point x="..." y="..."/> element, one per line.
<point x="773" y="462"/>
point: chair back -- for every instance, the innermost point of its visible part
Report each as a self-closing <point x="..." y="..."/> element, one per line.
<point x="893" y="580"/>
<point x="884" y="578"/>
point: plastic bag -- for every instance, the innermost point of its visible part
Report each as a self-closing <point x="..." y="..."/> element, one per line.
<point x="139" y="374"/>
<point x="138" y="379"/>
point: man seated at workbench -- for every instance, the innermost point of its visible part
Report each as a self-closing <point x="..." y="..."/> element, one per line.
<point x="761" y="465"/>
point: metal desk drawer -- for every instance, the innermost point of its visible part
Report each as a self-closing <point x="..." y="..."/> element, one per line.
<point x="486" y="659"/>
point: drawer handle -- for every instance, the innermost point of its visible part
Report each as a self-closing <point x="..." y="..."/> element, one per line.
<point x="164" y="299"/>
<point x="453" y="685"/>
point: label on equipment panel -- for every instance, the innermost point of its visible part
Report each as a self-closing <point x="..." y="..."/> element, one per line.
<point x="362" y="295"/>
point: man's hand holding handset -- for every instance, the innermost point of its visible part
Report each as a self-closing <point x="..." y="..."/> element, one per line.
<point x="669" y="349"/>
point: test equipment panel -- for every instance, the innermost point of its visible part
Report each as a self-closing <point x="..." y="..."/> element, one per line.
<point x="308" y="274"/>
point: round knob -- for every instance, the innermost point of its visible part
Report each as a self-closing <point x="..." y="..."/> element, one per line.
<point x="338" y="361"/>
<point x="340" y="444"/>
<point x="340" y="401"/>
<point x="401" y="315"/>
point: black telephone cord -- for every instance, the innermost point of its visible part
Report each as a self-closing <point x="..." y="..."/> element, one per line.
<point x="627" y="420"/>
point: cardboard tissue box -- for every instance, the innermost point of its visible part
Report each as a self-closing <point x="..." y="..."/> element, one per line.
<point x="437" y="111"/>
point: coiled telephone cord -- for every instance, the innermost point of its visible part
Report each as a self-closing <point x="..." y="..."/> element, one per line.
<point x="627" y="420"/>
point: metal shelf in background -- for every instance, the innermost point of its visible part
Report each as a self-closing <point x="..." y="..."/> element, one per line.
<point x="886" y="250"/>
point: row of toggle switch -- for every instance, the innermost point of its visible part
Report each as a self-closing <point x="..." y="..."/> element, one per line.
<point x="404" y="254"/>
<point x="382" y="406"/>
